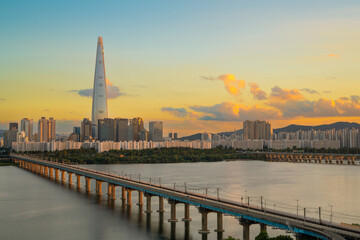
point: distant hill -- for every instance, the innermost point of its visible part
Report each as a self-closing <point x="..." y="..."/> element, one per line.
<point x="290" y="128"/>
<point x="337" y="126"/>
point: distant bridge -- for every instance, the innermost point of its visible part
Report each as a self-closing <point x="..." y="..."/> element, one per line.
<point x="326" y="158"/>
<point x="302" y="226"/>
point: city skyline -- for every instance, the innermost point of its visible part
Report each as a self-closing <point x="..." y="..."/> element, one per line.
<point x="280" y="62"/>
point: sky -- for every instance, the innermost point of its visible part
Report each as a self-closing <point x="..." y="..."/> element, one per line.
<point x="198" y="66"/>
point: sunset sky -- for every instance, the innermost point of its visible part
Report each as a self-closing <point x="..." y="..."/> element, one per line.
<point x="195" y="65"/>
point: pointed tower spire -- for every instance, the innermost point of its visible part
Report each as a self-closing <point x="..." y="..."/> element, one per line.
<point x="99" y="106"/>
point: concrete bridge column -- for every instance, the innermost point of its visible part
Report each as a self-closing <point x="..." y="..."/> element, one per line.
<point x="141" y="196"/>
<point x="46" y="171"/>
<point x="78" y="182"/>
<point x="246" y="228"/>
<point x="204" y="222"/>
<point x="57" y="174"/>
<point x="87" y="184"/>
<point x="186" y="213"/>
<point x="70" y="178"/>
<point x="112" y="195"/>
<point x="161" y="205"/>
<point x="148" y="203"/>
<point x="51" y="174"/>
<point x="109" y="189"/>
<point x="263" y="227"/>
<point x="320" y="159"/>
<point x="62" y="176"/>
<point x="352" y="160"/>
<point x="123" y="193"/>
<point x="220" y="228"/>
<point x="172" y="211"/>
<point x="128" y="191"/>
<point x="98" y="188"/>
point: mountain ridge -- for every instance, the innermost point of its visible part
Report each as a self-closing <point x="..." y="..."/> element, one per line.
<point x="290" y="128"/>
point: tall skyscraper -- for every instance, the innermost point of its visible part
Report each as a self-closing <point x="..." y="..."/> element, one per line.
<point x="11" y="135"/>
<point x="122" y="129"/>
<point x="156" y="131"/>
<point x="99" y="105"/>
<point x="107" y="129"/>
<point x="137" y="125"/>
<point x="46" y="130"/>
<point x="27" y="127"/>
<point x="257" y="130"/>
<point x="85" y="131"/>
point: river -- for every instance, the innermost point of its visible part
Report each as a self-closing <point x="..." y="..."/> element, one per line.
<point x="33" y="207"/>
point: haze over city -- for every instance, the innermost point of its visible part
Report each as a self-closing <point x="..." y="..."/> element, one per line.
<point x="194" y="66"/>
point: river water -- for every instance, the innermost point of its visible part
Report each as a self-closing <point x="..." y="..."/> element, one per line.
<point x="33" y="207"/>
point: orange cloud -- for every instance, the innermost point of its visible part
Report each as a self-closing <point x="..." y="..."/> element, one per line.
<point x="333" y="55"/>
<point x="283" y="94"/>
<point x="257" y="92"/>
<point x="232" y="85"/>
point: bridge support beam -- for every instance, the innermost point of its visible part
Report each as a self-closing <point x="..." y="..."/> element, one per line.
<point x="204" y="221"/>
<point x="246" y="228"/>
<point x="128" y="191"/>
<point x="46" y="171"/>
<point x="220" y="230"/>
<point x="148" y="203"/>
<point x="78" y="181"/>
<point x="140" y="200"/>
<point x="172" y="211"/>
<point x="62" y="176"/>
<point x="112" y="194"/>
<point x="263" y="227"/>
<point x="161" y="205"/>
<point x="98" y="188"/>
<point x="56" y="174"/>
<point x="51" y="174"/>
<point x="87" y="184"/>
<point x="70" y="178"/>
<point x="123" y="193"/>
<point x="186" y="213"/>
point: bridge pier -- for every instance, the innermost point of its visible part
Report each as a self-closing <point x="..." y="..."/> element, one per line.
<point x="161" y="205"/>
<point x="123" y="193"/>
<point x="46" y="171"/>
<point x="78" y="182"/>
<point x="220" y="230"/>
<point x="98" y="188"/>
<point x="62" y="176"/>
<point x="148" y="203"/>
<point x="112" y="194"/>
<point x="70" y="178"/>
<point x="172" y="211"/>
<point x="56" y="174"/>
<point x="186" y="213"/>
<point x="51" y="173"/>
<point x="140" y="201"/>
<point x="204" y="222"/>
<point x="246" y="228"/>
<point x="263" y="227"/>
<point x="128" y="191"/>
<point x="87" y="184"/>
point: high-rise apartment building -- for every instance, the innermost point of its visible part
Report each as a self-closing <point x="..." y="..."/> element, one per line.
<point x="86" y="130"/>
<point x="10" y="135"/>
<point x="156" y="131"/>
<point x="256" y="130"/>
<point x="99" y="105"/>
<point x="137" y="125"/>
<point x="107" y="129"/>
<point x="27" y="127"/>
<point x="47" y="130"/>
<point x="122" y="125"/>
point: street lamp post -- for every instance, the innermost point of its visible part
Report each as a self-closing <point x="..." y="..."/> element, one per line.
<point x="331" y="213"/>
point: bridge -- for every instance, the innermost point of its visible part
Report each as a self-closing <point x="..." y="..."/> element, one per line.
<point x="325" y="158"/>
<point x="301" y="226"/>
